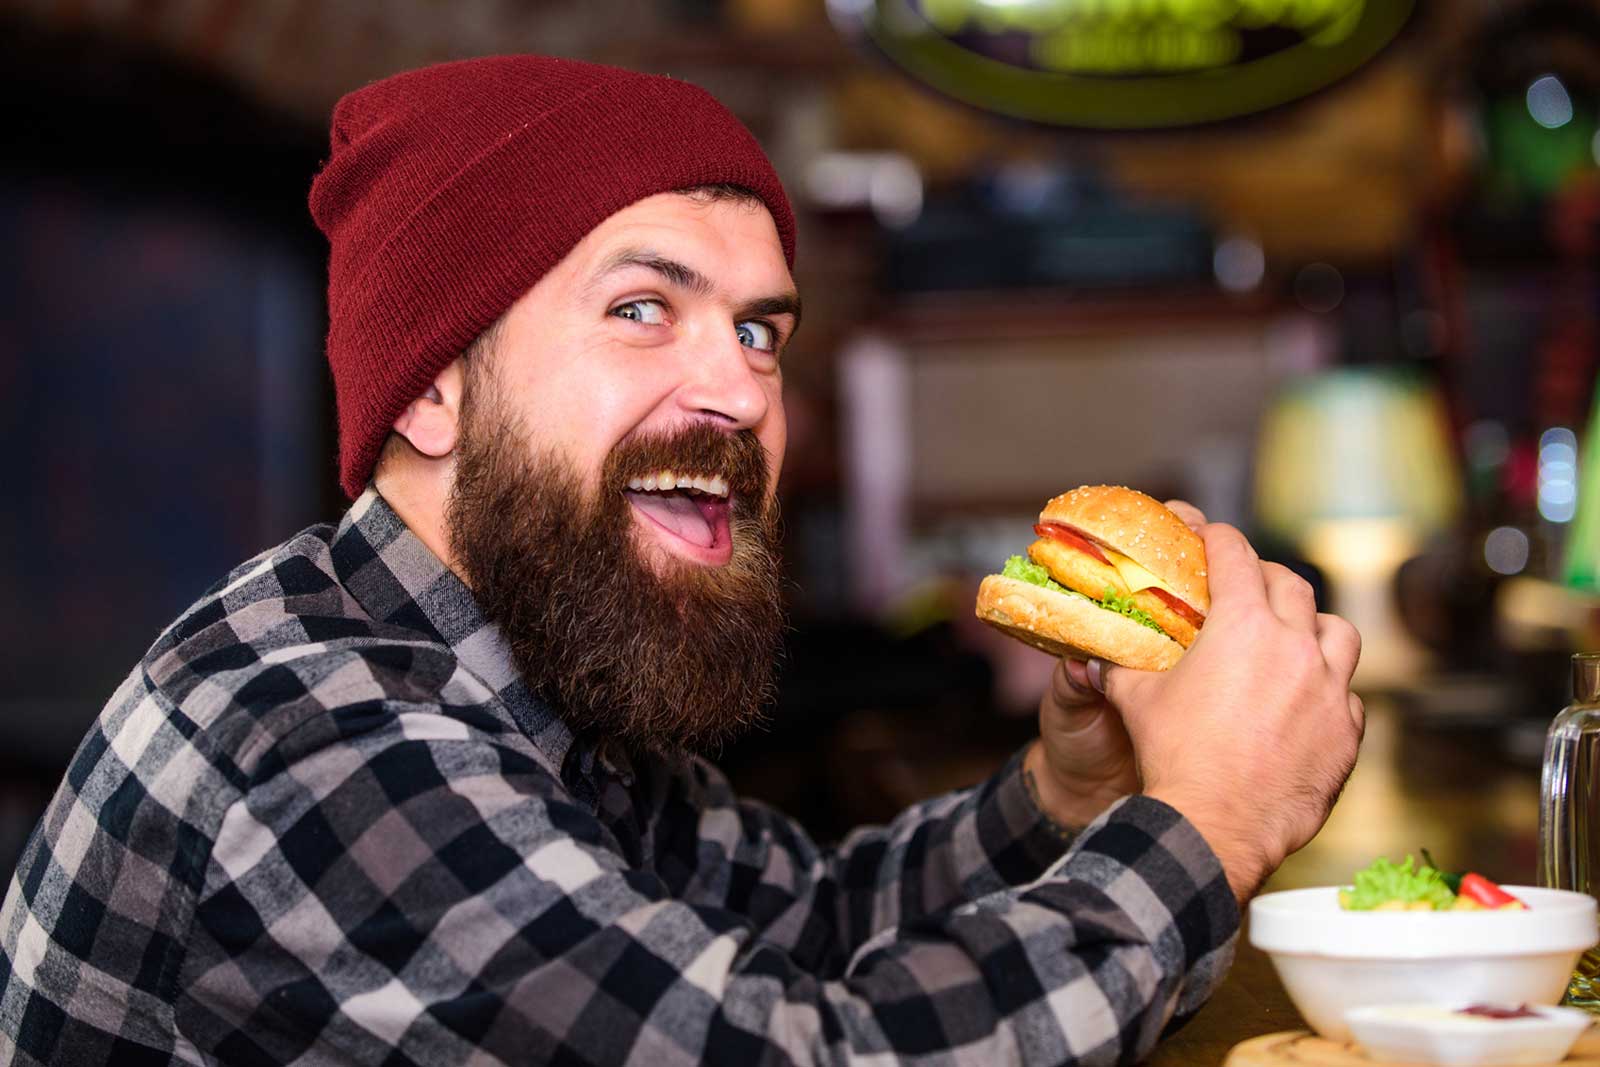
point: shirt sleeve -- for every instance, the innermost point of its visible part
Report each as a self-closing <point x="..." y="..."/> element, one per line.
<point x="407" y="888"/>
<point x="950" y="850"/>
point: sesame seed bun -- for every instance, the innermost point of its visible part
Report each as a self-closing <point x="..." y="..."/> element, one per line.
<point x="1072" y="626"/>
<point x="1141" y="528"/>
<point x="1125" y="521"/>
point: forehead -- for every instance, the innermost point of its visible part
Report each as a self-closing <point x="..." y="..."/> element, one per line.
<point x="730" y="240"/>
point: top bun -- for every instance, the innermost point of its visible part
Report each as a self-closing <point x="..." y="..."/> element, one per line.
<point x="1141" y="528"/>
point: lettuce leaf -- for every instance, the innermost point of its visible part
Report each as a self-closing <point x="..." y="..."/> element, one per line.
<point x="1026" y="570"/>
<point x="1382" y="882"/>
<point x="1122" y="605"/>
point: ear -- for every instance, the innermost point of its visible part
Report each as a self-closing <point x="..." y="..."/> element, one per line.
<point x="432" y="421"/>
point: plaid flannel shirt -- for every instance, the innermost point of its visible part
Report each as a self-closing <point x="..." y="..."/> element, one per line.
<point x="324" y="822"/>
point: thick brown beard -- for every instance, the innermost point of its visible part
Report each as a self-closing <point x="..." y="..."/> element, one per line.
<point x="673" y="658"/>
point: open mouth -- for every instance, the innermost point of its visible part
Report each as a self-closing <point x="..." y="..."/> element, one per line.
<point x="692" y="507"/>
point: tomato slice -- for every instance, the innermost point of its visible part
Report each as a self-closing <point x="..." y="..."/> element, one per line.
<point x="1195" y="619"/>
<point x="1068" y="536"/>
<point x="1477" y="887"/>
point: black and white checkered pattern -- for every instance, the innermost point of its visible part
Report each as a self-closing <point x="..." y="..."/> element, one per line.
<point x="323" y="822"/>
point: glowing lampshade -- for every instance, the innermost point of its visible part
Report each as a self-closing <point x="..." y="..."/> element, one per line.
<point x="1356" y="443"/>
<point x="1355" y="467"/>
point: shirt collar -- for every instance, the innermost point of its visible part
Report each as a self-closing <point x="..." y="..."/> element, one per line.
<point x="397" y="580"/>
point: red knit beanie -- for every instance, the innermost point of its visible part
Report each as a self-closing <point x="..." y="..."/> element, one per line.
<point x="451" y="190"/>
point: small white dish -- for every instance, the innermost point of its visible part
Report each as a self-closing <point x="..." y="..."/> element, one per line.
<point x="1438" y="1033"/>
<point x="1332" y="960"/>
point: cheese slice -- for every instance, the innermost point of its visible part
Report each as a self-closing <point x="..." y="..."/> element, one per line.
<point x="1135" y="576"/>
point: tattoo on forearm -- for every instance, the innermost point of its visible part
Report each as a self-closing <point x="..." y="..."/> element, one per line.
<point x="1066" y="834"/>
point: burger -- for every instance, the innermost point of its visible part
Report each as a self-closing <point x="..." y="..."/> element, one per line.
<point x="1114" y="575"/>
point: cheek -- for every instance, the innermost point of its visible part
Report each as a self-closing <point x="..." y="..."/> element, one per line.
<point x="775" y="436"/>
<point x="591" y="411"/>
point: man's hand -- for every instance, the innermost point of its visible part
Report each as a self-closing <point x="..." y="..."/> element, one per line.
<point x="1084" y="760"/>
<point x="1253" y="733"/>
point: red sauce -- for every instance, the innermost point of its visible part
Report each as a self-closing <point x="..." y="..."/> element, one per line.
<point x="1068" y="536"/>
<point x="1074" y="538"/>
<point x="1196" y="619"/>
<point x="1494" y="1011"/>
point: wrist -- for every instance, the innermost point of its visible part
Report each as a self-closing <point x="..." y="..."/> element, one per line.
<point x="1067" y="810"/>
<point x="1245" y="864"/>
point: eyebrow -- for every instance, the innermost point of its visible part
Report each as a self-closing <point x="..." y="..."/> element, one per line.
<point x="686" y="277"/>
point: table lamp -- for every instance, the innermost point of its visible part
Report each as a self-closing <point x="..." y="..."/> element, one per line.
<point x="1355" y="468"/>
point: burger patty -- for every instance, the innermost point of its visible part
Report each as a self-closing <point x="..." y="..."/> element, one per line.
<point x="1172" y="624"/>
<point x="1076" y="569"/>
<point x="1081" y="572"/>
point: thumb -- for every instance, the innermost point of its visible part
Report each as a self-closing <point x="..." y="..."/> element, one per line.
<point x="1071" y="686"/>
<point x="1096" y="670"/>
<point x="1118" y="684"/>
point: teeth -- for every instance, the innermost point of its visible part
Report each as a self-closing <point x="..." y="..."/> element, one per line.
<point x="712" y="485"/>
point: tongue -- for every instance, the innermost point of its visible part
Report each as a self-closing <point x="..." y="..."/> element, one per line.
<point x="677" y="513"/>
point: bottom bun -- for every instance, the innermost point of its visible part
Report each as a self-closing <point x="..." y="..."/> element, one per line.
<point x="1072" y="626"/>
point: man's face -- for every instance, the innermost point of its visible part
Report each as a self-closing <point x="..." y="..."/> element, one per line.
<point x="672" y="313"/>
<point x="647" y="614"/>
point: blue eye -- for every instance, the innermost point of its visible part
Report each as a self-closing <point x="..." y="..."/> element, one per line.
<point x="648" y="312"/>
<point x="753" y="333"/>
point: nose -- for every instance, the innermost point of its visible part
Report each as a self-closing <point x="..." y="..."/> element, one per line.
<point x="720" y="381"/>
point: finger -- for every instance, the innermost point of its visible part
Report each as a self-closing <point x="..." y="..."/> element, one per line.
<point x="1192" y="516"/>
<point x="1233" y="568"/>
<point x="1070" y="686"/>
<point x="1291" y="597"/>
<point x="1116" y="682"/>
<point x="1341" y="645"/>
<point x="1358" y="715"/>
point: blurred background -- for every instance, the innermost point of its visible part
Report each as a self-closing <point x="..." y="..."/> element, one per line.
<point x="1325" y="268"/>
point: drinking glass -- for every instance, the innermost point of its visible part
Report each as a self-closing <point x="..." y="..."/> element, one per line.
<point x="1569" y="810"/>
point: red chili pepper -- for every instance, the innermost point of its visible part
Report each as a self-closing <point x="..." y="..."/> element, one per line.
<point x="1478" y="888"/>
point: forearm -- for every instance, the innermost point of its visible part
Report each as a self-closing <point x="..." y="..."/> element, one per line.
<point x="1242" y="859"/>
<point x="489" y="917"/>
<point x="944" y="852"/>
<point x="566" y="953"/>
<point x="1068" y="809"/>
<point x="1130" y="933"/>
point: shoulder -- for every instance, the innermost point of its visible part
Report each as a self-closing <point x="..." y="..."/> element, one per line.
<point x="281" y="641"/>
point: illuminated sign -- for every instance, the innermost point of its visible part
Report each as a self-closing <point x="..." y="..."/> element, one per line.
<point x="1128" y="64"/>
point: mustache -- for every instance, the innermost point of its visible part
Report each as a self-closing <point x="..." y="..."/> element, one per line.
<point x="699" y="448"/>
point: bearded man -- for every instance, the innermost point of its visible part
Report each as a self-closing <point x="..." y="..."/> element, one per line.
<point x="421" y="788"/>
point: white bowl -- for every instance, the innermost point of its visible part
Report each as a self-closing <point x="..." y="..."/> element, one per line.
<point x="1412" y="1033"/>
<point x="1332" y="960"/>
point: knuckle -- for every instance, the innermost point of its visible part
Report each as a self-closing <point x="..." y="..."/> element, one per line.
<point x="1344" y="632"/>
<point x="1220" y="535"/>
<point x="1352" y="634"/>
<point x="1289" y="580"/>
<point x="1306" y="652"/>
